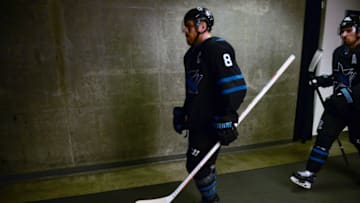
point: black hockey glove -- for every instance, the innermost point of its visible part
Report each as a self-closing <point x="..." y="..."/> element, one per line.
<point x="179" y="119"/>
<point x="226" y="132"/>
<point x="321" y="81"/>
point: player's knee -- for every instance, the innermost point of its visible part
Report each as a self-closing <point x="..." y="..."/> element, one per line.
<point x="324" y="139"/>
<point x="206" y="180"/>
<point x="203" y="172"/>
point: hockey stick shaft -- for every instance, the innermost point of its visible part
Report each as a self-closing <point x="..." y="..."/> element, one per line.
<point x="278" y="73"/>
<point x="183" y="184"/>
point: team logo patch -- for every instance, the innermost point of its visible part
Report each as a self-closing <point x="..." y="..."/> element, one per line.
<point x="354" y="59"/>
<point x="345" y="75"/>
<point x="193" y="80"/>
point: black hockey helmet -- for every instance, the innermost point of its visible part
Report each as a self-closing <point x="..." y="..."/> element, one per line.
<point x="350" y="21"/>
<point x="199" y="14"/>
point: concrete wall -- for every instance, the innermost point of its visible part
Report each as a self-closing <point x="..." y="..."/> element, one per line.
<point x="89" y="82"/>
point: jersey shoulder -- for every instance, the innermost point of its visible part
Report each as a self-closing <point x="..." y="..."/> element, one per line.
<point x="343" y="51"/>
<point x="357" y="49"/>
<point x="218" y="46"/>
<point x="217" y="42"/>
<point x="340" y="49"/>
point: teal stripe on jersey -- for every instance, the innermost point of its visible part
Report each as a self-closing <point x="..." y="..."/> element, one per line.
<point x="234" y="89"/>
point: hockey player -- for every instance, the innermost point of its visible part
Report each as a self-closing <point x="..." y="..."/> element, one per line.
<point x="343" y="107"/>
<point x="215" y="88"/>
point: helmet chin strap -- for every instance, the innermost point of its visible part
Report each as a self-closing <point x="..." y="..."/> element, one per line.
<point x="197" y="25"/>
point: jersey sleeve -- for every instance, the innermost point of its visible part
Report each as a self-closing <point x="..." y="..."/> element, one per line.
<point x="230" y="83"/>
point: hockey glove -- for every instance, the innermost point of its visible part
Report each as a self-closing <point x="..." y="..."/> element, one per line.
<point x="321" y="81"/>
<point x="226" y="132"/>
<point x="179" y="119"/>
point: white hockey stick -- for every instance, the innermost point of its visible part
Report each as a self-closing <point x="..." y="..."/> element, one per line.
<point x="172" y="196"/>
<point x="278" y="73"/>
<point x="315" y="60"/>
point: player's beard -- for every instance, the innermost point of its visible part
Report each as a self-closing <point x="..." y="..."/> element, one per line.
<point x="351" y="42"/>
<point x="191" y="38"/>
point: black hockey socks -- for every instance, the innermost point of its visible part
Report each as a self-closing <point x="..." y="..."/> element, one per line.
<point x="207" y="188"/>
<point x="318" y="157"/>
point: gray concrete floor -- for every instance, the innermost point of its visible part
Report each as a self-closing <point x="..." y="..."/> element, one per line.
<point x="155" y="173"/>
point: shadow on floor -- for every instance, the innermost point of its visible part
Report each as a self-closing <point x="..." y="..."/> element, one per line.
<point x="335" y="183"/>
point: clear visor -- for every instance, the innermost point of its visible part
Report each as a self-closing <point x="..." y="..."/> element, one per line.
<point x="182" y="26"/>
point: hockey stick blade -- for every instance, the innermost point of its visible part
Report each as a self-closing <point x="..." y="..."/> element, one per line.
<point x="315" y="60"/>
<point x="158" y="200"/>
<point x="172" y="196"/>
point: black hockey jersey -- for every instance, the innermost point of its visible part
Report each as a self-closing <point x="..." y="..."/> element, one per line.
<point x="346" y="70"/>
<point x="215" y="86"/>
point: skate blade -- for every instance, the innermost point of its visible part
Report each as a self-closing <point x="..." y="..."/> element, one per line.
<point x="305" y="184"/>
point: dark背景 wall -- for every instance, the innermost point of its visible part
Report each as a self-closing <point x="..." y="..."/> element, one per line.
<point x="90" y="82"/>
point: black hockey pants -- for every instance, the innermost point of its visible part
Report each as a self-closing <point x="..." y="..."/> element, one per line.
<point x="329" y="128"/>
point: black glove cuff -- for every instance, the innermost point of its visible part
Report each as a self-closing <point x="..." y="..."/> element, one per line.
<point x="223" y="125"/>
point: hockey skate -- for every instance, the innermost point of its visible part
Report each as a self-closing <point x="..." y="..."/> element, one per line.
<point x="303" y="179"/>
